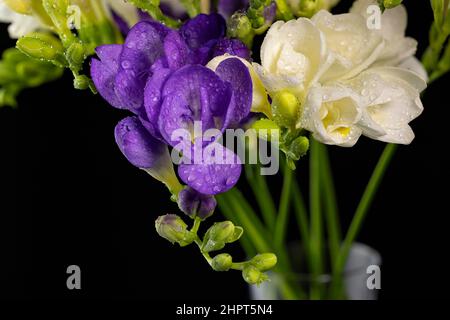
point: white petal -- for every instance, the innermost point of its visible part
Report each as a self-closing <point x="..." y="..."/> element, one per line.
<point x="414" y="65"/>
<point x="332" y="114"/>
<point x="391" y="100"/>
<point x="353" y="44"/>
<point x="294" y="51"/>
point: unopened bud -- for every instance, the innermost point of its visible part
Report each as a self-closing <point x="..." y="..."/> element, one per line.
<point x="195" y="204"/>
<point x="76" y="54"/>
<point x="285" y="108"/>
<point x="220" y="234"/>
<point x="265" y="128"/>
<point x="222" y="262"/>
<point x="298" y="148"/>
<point x="173" y="228"/>
<point x="239" y="26"/>
<point x="252" y="275"/>
<point x="389" y="4"/>
<point x="43" y="47"/>
<point x="264" y="261"/>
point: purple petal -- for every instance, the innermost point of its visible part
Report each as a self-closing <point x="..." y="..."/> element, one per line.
<point x="193" y="93"/>
<point x="236" y="73"/>
<point x="103" y="72"/>
<point x="143" y="46"/>
<point x="176" y="51"/>
<point x="202" y="29"/>
<point x="138" y="146"/>
<point x="153" y="98"/>
<point x="219" y="171"/>
<point x="234" y="47"/>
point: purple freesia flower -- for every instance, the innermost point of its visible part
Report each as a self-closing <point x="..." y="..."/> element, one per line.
<point x="159" y="75"/>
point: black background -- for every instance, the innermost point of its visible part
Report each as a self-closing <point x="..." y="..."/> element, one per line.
<point x="69" y="197"/>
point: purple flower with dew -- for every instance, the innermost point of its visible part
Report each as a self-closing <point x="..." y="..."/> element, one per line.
<point x="158" y="74"/>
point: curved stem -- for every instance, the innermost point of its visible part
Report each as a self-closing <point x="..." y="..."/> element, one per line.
<point x="316" y="233"/>
<point x="283" y="212"/>
<point x="361" y="211"/>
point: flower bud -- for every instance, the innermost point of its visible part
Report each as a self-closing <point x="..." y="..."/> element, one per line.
<point x="195" y="204"/>
<point x="19" y="6"/>
<point x="285" y="108"/>
<point x="389" y="4"/>
<point x="298" y="148"/>
<point x="239" y="26"/>
<point x="76" y="54"/>
<point x="264" y="261"/>
<point x="252" y="275"/>
<point x="43" y="47"/>
<point x="173" y="228"/>
<point x="222" y="262"/>
<point x="265" y="128"/>
<point x="220" y="234"/>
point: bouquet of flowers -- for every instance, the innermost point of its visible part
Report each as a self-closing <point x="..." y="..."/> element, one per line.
<point x="216" y="90"/>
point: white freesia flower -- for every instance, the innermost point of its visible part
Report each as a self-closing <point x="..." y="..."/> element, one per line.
<point x="390" y="100"/>
<point x="393" y="26"/>
<point x="260" y="102"/>
<point x="353" y="46"/>
<point x="293" y="56"/>
<point x="19" y="24"/>
<point x="332" y="113"/>
<point x="350" y="80"/>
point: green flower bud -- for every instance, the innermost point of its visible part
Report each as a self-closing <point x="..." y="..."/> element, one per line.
<point x="43" y="47"/>
<point x="82" y="82"/>
<point x="265" y="127"/>
<point x="285" y="108"/>
<point x="220" y="234"/>
<point x="252" y="275"/>
<point x="389" y="4"/>
<point x="264" y="261"/>
<point x="76" y="54"/>
<point x="298" y="148"/>
<point x="239" y="26"/>
<point x="222" y="262"/>
<point x="173" y="228"/>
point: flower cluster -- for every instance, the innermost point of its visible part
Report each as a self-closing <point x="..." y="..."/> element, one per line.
<point x="159" y="75"/>
<point x="349" y="79"/>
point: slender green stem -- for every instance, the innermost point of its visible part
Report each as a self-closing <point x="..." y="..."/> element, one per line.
<point x="251" y="227"/>
<point x="229" y="214"/>
<point x="331" y="208"/>
<point x="301" y="215"/>
<point x="262" y="194"/>
<point x="361" y="211"/>
<point x="316" y="218"/>
<point x="283" y="211"/>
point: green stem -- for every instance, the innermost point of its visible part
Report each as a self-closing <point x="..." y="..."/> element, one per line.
<point x="262" y="194"/>
<point x="251" y="227"/>
<point x="331" y="209"/>
<point x="316" y="218"/>
<point x="301" y="215"/>
<point x="229" y="214"/>
<point x="283" y="212"/>
<point x="361" y="212"/>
